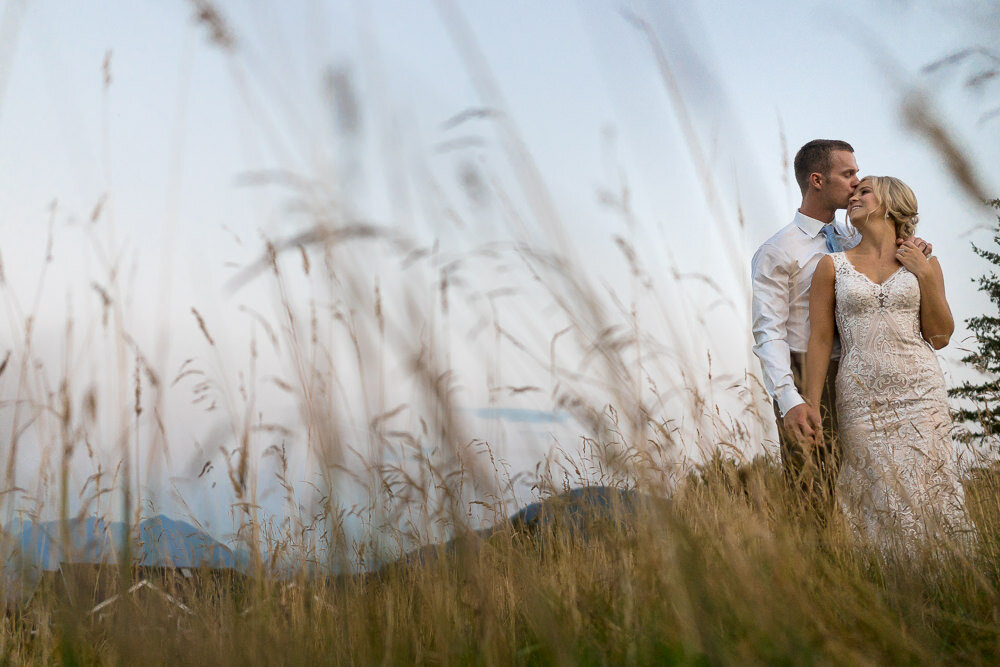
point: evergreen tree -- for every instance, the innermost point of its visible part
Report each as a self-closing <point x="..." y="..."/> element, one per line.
<point x="984" y="415"/>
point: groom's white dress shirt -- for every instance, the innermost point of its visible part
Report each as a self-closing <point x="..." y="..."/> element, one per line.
<point x="781" y="271"/>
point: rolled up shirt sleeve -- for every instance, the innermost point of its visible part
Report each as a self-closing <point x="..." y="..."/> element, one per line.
<point x="770" y="275"/>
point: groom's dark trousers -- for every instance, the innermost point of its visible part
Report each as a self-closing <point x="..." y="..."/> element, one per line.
<point x="814" y="477"/>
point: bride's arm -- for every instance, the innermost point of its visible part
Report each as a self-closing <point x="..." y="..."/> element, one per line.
<point x="936" y="321"/>
<point x="821" y="334"/>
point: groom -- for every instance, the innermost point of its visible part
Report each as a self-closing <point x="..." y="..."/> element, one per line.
<point x="781" y="270"/>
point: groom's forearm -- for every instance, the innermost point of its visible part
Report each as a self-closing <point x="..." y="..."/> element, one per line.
<point x="776" y="365"/>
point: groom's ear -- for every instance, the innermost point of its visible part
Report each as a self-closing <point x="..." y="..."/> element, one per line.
<point x="816" y="180"/>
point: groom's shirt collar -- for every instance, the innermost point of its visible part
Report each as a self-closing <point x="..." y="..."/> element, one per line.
<point x="810" y="226"/>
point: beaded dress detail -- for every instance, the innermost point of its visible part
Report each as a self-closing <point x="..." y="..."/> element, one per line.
<point x="898" y="483"/>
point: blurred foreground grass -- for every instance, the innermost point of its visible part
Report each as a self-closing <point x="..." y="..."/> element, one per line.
<point x="723" y="572"/>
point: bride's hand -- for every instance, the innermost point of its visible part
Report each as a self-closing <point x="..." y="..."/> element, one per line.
<point x="922" y="245"/>
<point x="912" y="257"/>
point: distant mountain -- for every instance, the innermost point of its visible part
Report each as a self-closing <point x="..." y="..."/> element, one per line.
<point x="577" y="511"/>
<point x="166" y="541"/>
<point x="576" y="508"/>
<point x="162" y="541"/>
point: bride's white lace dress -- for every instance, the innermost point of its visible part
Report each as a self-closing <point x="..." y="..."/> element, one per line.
<point x="898" y="483"/>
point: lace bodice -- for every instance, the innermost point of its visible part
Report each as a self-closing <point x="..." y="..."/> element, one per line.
<point x="883" y="353"/>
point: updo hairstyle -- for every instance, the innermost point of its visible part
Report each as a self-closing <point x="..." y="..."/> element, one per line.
<point x="898" y="202"/>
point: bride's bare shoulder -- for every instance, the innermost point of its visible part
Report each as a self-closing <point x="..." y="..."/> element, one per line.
<point x="825" y="268"/>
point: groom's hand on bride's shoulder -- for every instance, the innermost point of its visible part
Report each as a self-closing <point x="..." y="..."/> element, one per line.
<point x="922" y="245"/>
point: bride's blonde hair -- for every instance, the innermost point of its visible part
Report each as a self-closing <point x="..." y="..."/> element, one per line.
<point x="898" y="201"/>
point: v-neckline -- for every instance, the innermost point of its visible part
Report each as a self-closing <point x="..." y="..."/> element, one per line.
<point x="865" y="275"/>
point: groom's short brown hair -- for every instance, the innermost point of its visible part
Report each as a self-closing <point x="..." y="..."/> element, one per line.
<point x="815" y="157"/>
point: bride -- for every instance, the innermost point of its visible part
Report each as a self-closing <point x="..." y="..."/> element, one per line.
<point x="898" y="484"/>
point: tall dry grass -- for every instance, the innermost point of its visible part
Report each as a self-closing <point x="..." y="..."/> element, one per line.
<point x="709" y="563"/>
<point x="724" y="572"/>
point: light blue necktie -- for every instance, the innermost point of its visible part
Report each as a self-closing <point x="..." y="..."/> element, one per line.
<point x="832" y="242"/>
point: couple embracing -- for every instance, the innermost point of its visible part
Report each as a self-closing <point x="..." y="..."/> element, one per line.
<point x="845" y="316"/>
